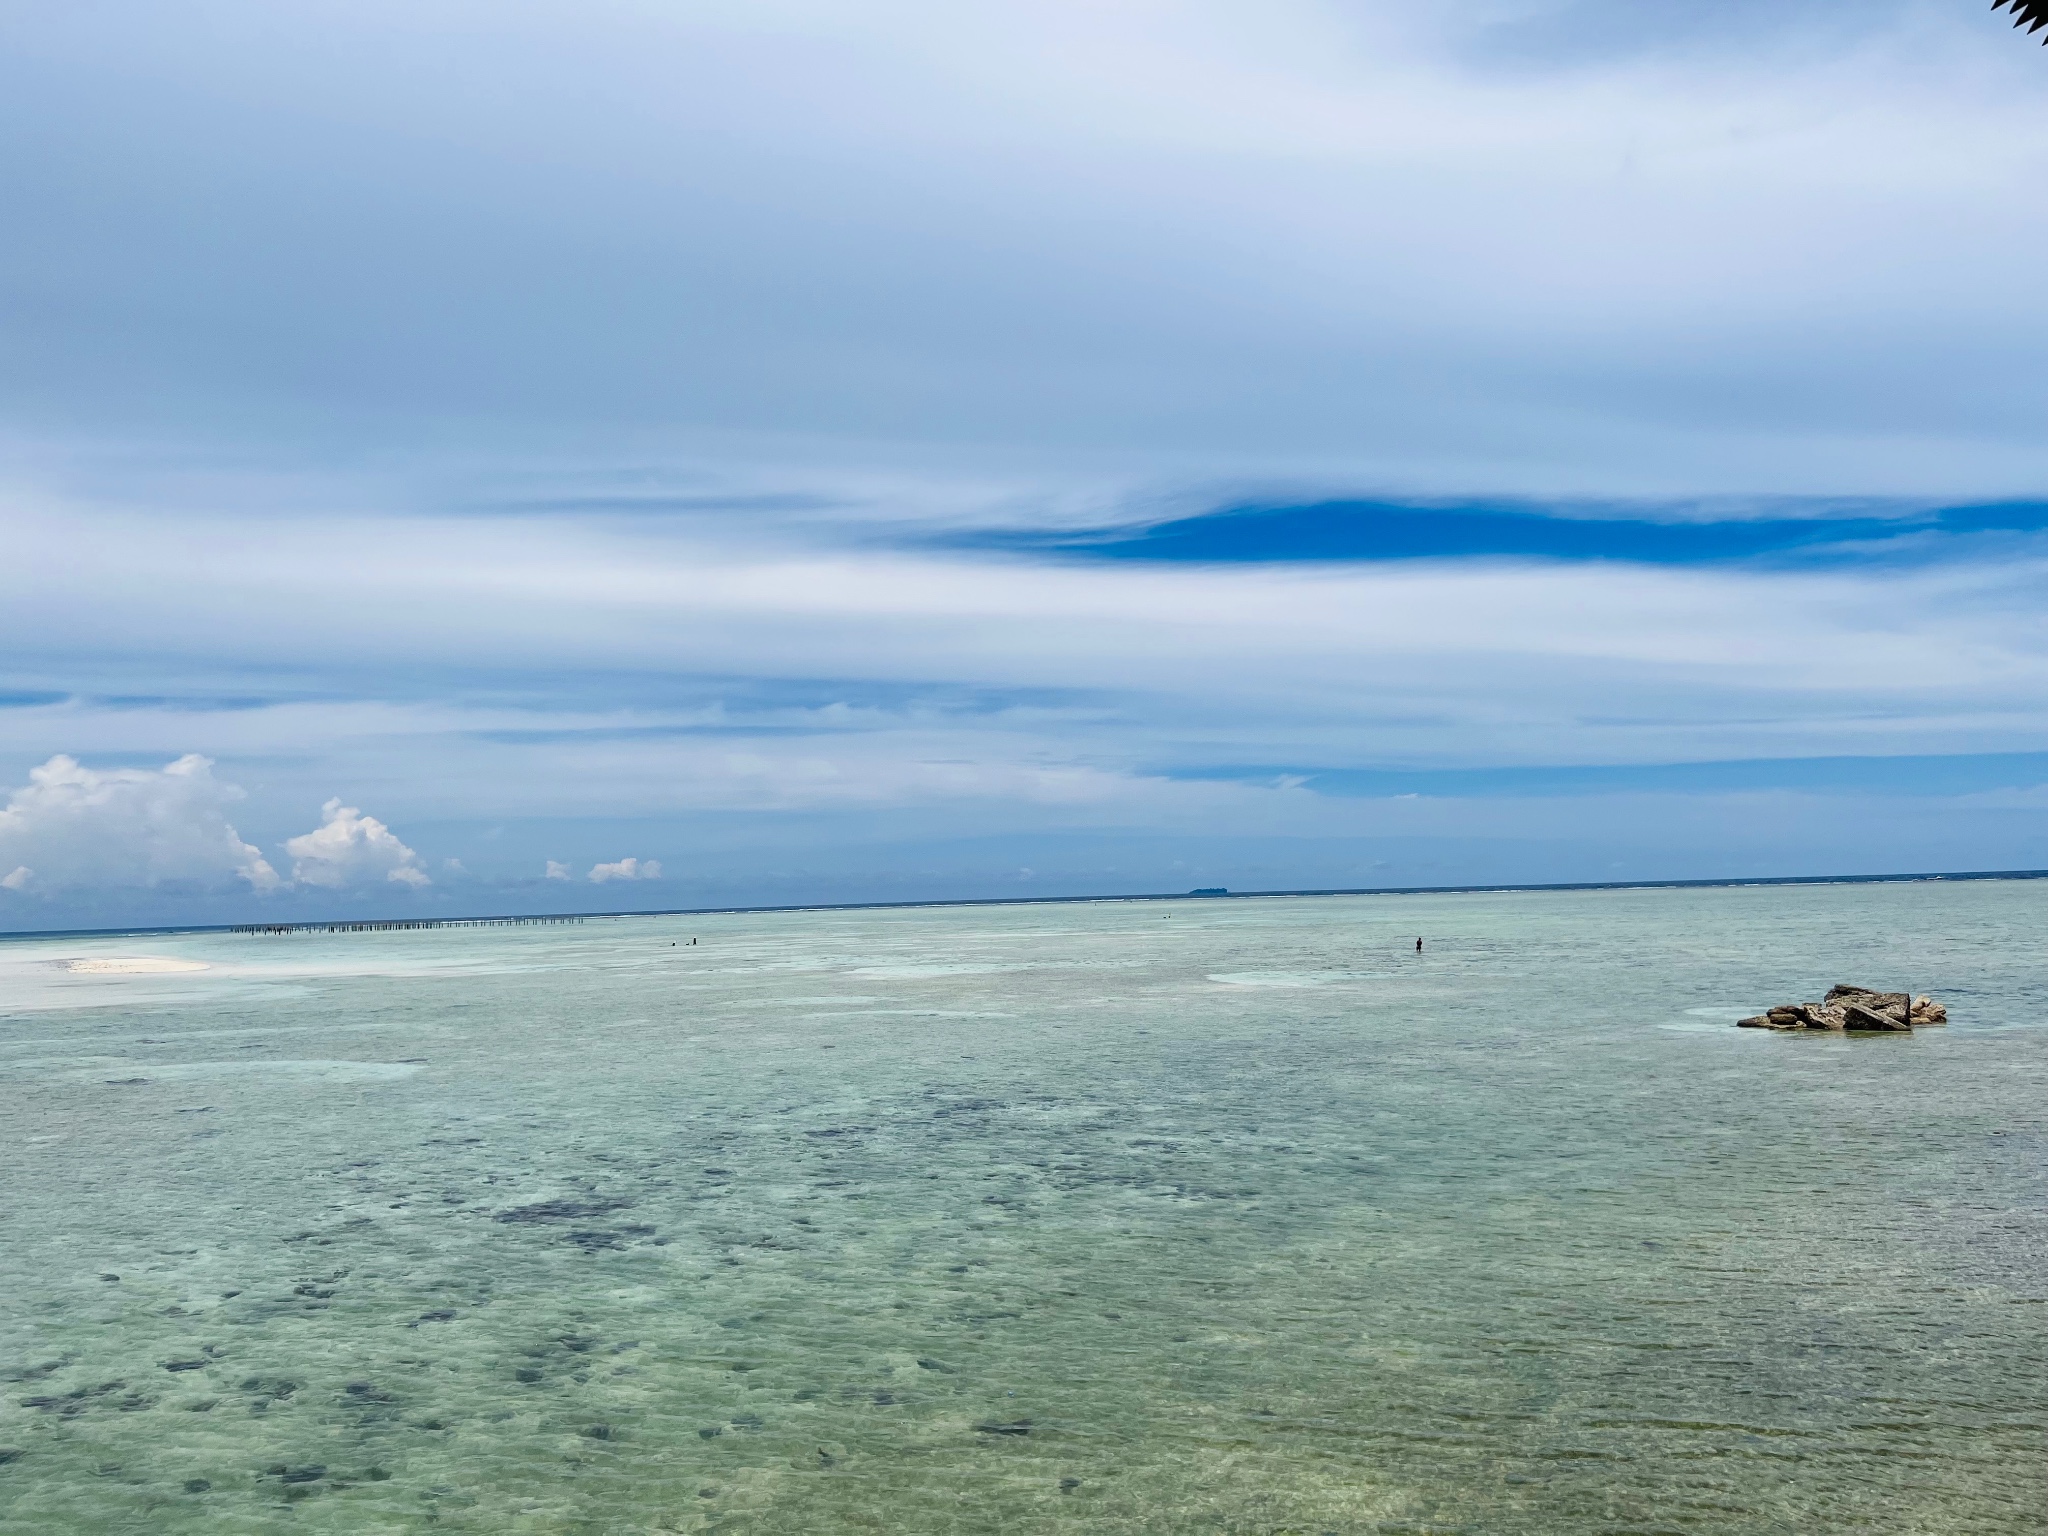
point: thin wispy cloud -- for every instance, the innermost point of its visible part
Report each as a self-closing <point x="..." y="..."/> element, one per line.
<point x="1745" y="254"/>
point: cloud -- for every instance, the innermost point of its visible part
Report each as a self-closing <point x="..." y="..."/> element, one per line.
<point x="73" y="826"/>
<point x="73" y="830"/>
<point x="1580" y="240"/>
<point x="626" y="869"/>
<point x="558" y="870"/>
<point x="349" y="849"/>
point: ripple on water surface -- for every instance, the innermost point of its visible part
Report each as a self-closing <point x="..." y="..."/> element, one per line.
<point x="1030" y="1218"/>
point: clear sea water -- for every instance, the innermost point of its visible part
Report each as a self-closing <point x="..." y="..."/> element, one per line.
<point x="1230" y="1216"/>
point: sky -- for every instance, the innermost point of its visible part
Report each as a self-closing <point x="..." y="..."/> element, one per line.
<point x="462" y="458"/>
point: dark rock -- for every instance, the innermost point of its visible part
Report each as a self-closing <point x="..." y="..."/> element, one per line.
<point x="1868" y="1020"/>
<point x="1893" y="1005"/>
<point x="1852" y="1008"/>
<point x="184" y="1365"/>
<point x="71" y="1404"/>
<point x="562" y="1210"/>
<point x="10" y="1453"/>
<point x="196" y="1485"/>
<point x="1777" y="1018"/>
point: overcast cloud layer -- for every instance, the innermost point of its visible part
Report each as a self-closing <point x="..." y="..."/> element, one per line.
<point x="646" y="455"/>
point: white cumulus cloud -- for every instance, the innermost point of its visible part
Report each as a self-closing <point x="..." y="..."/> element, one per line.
<point x="349" y="848"/>
<point x="626" y="869"/>
<point x="73" y="826"/>
<point x="558" y="870"/>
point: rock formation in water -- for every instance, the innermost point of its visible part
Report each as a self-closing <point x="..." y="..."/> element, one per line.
<point x="1854" y="1009"/>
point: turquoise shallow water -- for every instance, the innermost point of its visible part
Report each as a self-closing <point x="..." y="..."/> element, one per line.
<point x="1230" y="1216"/>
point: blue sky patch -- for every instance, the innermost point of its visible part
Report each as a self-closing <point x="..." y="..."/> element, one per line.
<point x="1331" y="531"/>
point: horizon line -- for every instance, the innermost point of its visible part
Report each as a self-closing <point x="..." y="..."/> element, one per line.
<point x="1216" y="893"/>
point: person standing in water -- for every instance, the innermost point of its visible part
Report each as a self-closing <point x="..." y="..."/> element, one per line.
<point x="1418" y="946"/>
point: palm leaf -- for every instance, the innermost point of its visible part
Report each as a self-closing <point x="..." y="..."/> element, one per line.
<point x="2031" y="14"/>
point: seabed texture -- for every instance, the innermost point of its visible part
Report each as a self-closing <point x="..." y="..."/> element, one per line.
<point x="1213" y="1217"/>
